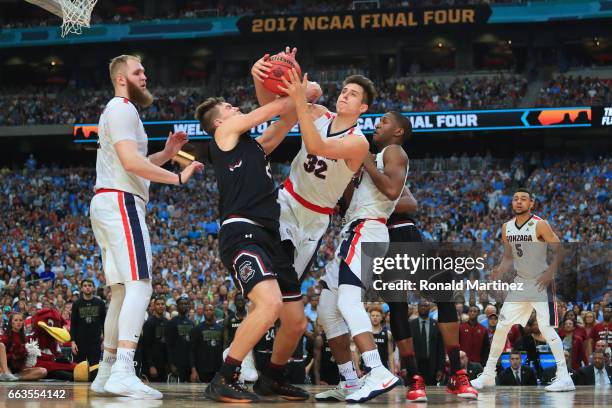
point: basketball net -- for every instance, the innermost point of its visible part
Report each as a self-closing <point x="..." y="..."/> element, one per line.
<point x="76" y="15"/>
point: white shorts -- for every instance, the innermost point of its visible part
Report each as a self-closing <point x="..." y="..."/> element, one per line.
<point x="118" y="223"/>
<point x="303" y="227"/>
<point x="346" y="268"/>
<point x="519" y="305"/>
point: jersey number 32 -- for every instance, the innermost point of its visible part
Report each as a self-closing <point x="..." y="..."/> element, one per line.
<point x="316" y="165"/>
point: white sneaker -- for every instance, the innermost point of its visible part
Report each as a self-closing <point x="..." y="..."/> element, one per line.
<point x="340" y="392"/>
<point x="123" y="381"/>
<point x="5" y="377"/>
<point x="104" y="370"/>
<point x="484" y="380"/>
<point x="561" y="384"/>
<point x="378" y="381"/>
<point x="248" y="372"/>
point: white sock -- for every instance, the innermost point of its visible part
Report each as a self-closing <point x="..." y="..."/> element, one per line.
<point x="109" y="358"/>
<point x="371" y="358"/>
<point x="125" y="357"/>
<point x="497" y="347"/>
<point x="556" y="346"/>
<point x="348" y="372"/>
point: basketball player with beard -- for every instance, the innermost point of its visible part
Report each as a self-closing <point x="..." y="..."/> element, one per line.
<point x="526" y="238"/>
<point x="118" y="211"/>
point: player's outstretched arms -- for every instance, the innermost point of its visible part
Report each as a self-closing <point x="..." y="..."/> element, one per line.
<point x="174" y="143"/>
<point x="406" y="204"/>
<point x="276" y="132"/>
<point x="391" y="181"/>
<point x="347" y="148"/>
<point x="134" y="162"/>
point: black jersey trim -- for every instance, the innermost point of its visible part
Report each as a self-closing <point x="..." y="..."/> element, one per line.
<point x="522" y="225"/>
<point x="337" y="133"/>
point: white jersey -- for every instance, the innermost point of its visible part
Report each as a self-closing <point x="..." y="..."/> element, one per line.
<point x="319" y="180"/>
<point x="528" y="253"/>
<point x="368" y="201"/>
<point x="120" y="121"/>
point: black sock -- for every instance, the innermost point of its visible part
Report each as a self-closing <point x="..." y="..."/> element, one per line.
<point x="230" y="368"/>
<point x="453" y="357"/>
<point x="275" y="371"/>
<point x="409" y="363"/>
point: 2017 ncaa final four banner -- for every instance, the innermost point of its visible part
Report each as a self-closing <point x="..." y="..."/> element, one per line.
<point x="422" y="122"/>
<point x="359" y="21"/>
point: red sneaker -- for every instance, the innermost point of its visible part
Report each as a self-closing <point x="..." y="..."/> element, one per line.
<point x="459" y="384"/>
<point x="416" y="391"/>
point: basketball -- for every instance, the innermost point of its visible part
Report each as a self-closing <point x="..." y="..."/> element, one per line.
<point x="281" y="64"/>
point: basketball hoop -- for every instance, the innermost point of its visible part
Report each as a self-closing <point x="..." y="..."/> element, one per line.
<point x="75" y="14"/>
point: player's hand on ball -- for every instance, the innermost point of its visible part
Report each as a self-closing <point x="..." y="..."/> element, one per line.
<point x="290" y="52"/>
<point x="193" y="167"/>
<point x="175" y="142"/>
<point x="261" y="68"/>
<point x="295" y="87"/>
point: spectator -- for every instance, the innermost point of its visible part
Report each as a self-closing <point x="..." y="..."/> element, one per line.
<point x="206" y="347"/>
<point x="517" y="374"/>
<point x="473" y="338"/>
<point x="14" y="341"/>
<point x="178" y="340"/>
<point x="154" y="343"/>
<point x="574" y="344"/>
<point x="473" y="369"/>
<point x="86" y="325"/>
<point x="428" y="345"/>
<point x="597" y="373"/>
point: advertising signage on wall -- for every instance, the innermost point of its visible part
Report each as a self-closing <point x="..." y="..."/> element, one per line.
<point x="422" y="122"/>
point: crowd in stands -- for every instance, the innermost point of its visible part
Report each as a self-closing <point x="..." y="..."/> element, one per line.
<point x="576" y="91"/>
<point x="47" y="247"/>
<point x="67" y="105"/>
<point x="120" y="12"/>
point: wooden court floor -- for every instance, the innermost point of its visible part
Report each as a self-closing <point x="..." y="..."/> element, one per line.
<point x="190" y="395"/>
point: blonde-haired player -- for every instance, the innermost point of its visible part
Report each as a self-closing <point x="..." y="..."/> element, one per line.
<point x="526" y="238"/>
<point x="117" y="211"/>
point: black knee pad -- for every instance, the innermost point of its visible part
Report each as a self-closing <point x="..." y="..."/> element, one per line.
<point x="447" y="312"/>
<point x="399" y="320"/>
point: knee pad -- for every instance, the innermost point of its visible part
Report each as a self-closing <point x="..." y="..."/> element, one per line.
<point x="352" y="310"/>
<point x="447" y="312"/>
<point x="111" y="322"/>
<point x="329" y="316"/>
<point x="137" y="298"/>
<point x="399" y="320"/>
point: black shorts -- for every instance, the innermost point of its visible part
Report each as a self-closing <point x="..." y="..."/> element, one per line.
<point x="251" y="254"/>
<point x="407" y="233"/>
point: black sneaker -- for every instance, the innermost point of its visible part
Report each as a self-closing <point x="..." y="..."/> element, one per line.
<point x="266" y="386"/>
<point x="222" y="391"/>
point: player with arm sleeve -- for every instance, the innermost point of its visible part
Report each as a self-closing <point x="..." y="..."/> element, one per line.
<point x="117" y="212"/>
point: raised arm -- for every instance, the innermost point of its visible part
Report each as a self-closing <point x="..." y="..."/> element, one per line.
<point x="391" y="181"/>
<point x="353" y="148"/>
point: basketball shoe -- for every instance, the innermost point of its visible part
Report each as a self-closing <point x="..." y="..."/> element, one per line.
<point x="123" y="381"/>
<point x="221" y="390"/>
<point x="561" y="384"/>
<point x="459" y="384"/>
<point x="378" y="381"/>
<point x="416" y="390"/>
<point x="104" y="371"/>
<point x="484" y="380"/>
<point x="340" y="392"/>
